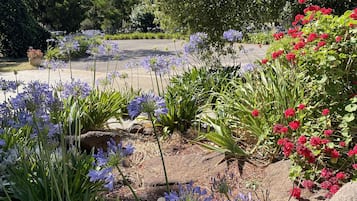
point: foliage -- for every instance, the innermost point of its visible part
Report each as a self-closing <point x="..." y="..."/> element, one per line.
<point x="323" y="151"/>
<point x="51" y="13"/>
<point x="214" y="17"/>
<point x="187" y="93"/>
<point x="18" y="30"/>
<point x="142" y="19"/>
<point x="264" y="38"/>
<point x="324" y="47"/>
<point x="148" y="35"/>
<point x="94" y="110"/>
<point x="269" y="91"/>
<point x="107" y="15"/>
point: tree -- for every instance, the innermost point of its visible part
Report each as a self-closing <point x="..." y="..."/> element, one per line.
<point x="19" y="30"/>
<point x="64" y="15"/>
<point x="216" y="16"/>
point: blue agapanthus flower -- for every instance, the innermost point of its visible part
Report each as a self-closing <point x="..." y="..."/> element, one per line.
<point x="77" y="89"/>
<point x="161" y="64"/>
<point x="197" y="41"/>
<point x="68" y="44"/>
<point x="188" y="192"/>
<point x="105" y="161"/>
<point x="55" y="64"/>
<point x="232" y="35"/>
<point x="8" y="85"/>
<point x="147" y="103"/>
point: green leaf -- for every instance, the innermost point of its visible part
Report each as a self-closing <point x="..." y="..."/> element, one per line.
<point x="351" y="107"/>
<point x="349" y="117"/>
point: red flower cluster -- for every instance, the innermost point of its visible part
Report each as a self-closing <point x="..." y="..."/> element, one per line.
<point x="290" y="56"/>
<point x="264" y="61"/>
<point x="255" y="113"/>
<point x="290" y="112"/>
<point x="294" y="125"/>
<point x="287" y="146"/>
<point x="277" y="54"/>
<point x="296" y="192"/>
<point x="354" y="14"/>
<point x="280" y="129"/>
<point x="325" y="112"/>
<point x="352" y="152"/>
<point x="278" y="36"/>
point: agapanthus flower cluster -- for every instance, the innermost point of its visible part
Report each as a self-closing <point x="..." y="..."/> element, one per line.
<point x="188" y="192"/>
<point x="76" y="89"/>
<point x="147" y="103"/>
<point x="55" y="64"/>
<point x="247" y="68"/>
<point x="8" y="85"/>
<point x="106" y="161"/>
<point x="161" y="64"/>
<point x="31" y="107"/>
<point x="68" y="44"/>
<point x="197" y="41"/>
<point x="106" y="48"/>
<point x="232" y="35"/>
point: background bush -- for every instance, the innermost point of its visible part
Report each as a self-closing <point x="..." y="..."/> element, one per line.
<point x="19" y="30"/>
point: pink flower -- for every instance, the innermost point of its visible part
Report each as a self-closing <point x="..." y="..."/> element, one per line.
<point x="294" y="125"/>
<point x="326" y="173"/>
<point x="301" y="1"/>
<point x="308" y="184"/>
<point x="277" y="54"/>
<point x="296" y="192"/>
<point x="325" y="112"/>
<point x="354" y="166"/>
<point x="301" y="106"/>
<point x="340" y="175"/>
<point x="264" y="61"/>
<point x="325" y="185"/>
<point x="328" y="132"/>
<point x="342" y="144"/>
<point x="338" y="39"/>
<point x="290" y="112"/>
<point x="334" y="189"/>
<point x="255" y="113"/>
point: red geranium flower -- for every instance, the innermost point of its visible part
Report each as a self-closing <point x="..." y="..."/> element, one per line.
<point x="340" y="175"/>
<point x="328" y="132"/>
<point x="342" y="144"/>
<point x="278" y="36"/>
<point x="255" y="113"/>
<point x="290" y="56"/>
<point x="302" y="139"/>
<point x="299" y="45"/>
<point x="308" y="184"/>
<point x="296" y="192"/>
<point x="326" y="173"/>
<point x="315" y="141"/>
<point x="321" y="43"/>
<point x="338" y="39"/>
<point x="301" y="106"/>
<point x="326" y="11"/>
<point x="311" y="37"/>
<point x="264" y="61"/>
<point x="335" y="154"/>
<point x="325" y="185"/>
<point x="325" y="112"/>
<point x="324" y="36"/>
<point x="354" y="166"/>
<point x="301" y="1"/>
<point x="290" y="112"/>
<point x="334" y="189"/>
<point x="277" y="54"/>
<point x="294" y="125"/>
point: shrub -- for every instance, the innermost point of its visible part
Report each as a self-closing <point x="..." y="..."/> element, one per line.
<point x="325" y="47"/>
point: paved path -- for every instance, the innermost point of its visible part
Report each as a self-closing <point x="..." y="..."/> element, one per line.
<point x="132" y="51"/>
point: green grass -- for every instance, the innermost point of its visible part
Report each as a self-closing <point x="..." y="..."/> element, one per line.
<point x="9" y="65"/>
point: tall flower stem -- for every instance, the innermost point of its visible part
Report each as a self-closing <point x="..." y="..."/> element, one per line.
<point x="126" y="182"/>
<point x="94" y="71"/>
<point x="161" y="155"/>
<point x="70" y="64"/>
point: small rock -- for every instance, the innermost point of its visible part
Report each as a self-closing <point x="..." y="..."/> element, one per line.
<point x="348" y="192"/>
<point x="161" y="199"/>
